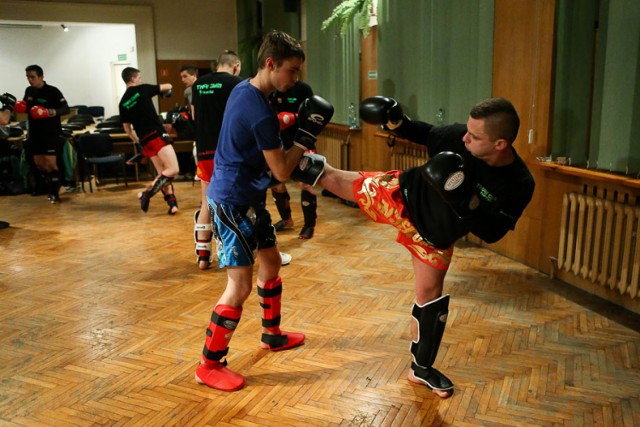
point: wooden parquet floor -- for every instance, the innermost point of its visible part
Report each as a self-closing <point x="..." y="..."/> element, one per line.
<point x="103" y="315"/>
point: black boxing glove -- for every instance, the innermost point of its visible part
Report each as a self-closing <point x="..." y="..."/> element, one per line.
<point x="445" y="173"/>
<point x="313" y="115"/>
<point x="310" y="169"/>
<point x="166" y="94"/>
<point x="381" y="110"/>
<point x="8" y="101"/>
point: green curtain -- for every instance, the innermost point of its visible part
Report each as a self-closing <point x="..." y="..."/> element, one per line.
<point x="333" y="64"/>
<point x="436" y="56"/>
<point x="596" y="115"/>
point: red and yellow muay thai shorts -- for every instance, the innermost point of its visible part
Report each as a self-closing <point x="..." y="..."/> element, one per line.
<point x="379" y="196"/>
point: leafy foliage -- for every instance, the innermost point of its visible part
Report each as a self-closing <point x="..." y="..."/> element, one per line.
<point x="343" y="15"/>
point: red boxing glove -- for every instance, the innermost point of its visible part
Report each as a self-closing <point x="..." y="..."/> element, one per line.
<point x="20" y="107"/>
<point x="38" y="112"/>
<point x="286" y="120"/>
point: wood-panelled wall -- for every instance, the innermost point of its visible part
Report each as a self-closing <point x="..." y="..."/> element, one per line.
<point x="169" y="72"/>
<point x="523" y="73"/>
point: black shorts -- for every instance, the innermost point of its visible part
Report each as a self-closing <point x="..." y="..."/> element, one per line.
<point x="45" y="146"/>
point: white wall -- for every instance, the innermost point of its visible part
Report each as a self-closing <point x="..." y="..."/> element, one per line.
<point x="185" y="29"/>
<point x="78" y="62"/>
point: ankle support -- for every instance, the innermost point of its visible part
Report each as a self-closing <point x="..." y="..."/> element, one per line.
<point x="431" y="318"/>
<point x="308" y="201"/>
<point x="224" y="321"/>
<point x="283" y="203"/>
<point x="271" y="304"/>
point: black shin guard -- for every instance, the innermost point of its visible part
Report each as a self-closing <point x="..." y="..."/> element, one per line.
<point x="283" y="204"/>
<point x="308" y="201"/>
<point x="53" y="183"/>
<point x="431" y="319"/>
<point x="158" y="185"/>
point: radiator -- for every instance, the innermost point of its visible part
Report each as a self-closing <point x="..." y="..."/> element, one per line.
<point x="405" y="155"/>
<point x="333" y="143"/>
<point x="599" y="241"/>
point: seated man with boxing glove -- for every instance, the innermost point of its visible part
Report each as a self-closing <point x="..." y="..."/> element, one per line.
<point x="474" y="182"/>
<point x="249" y="146"/>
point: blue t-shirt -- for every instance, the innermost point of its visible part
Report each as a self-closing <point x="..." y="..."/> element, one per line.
<point x="249" y="126"/>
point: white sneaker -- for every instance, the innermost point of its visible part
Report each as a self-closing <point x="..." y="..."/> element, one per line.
<point x="286" y="258"/>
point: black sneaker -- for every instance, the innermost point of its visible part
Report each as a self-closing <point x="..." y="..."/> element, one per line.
<point x="283" y="224"/>
<point x="306" y="233"/>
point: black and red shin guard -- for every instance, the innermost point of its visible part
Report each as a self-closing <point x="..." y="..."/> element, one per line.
<point x="276" y="339"/>
<point x="213" y="371"/>
<point x="224" y="321"/>
<point x="146" y="195"/>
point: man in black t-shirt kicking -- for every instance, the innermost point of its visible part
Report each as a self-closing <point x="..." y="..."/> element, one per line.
<point x="474" y="182"/>
<point x="143" y="125"/>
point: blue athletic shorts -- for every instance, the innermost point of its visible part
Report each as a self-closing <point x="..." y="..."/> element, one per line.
<point x="240" y="231"/>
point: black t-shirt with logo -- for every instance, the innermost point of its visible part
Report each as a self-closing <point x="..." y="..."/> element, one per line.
<point x="48" y="97"/>
<point x="209" y="98"/>
<point x="136" y="107"/>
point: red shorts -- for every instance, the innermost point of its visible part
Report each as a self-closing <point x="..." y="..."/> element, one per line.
<point x="379" y="196"/>
<point x="152" y="147"/>
<point x="204" y="170"/>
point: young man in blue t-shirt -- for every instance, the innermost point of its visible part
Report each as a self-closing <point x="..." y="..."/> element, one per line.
<point x="249" y="156"/>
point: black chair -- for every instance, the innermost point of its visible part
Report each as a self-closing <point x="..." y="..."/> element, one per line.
<point x="109" y="124"/>
<point x="81" y="109"/>
<point x="85" y="119"/>
<point x="97" y="112"/>
<point x="96" y="149"/>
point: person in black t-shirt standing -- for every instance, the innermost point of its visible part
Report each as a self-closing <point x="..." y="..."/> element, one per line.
<point x="44" y="105"/>
<point x="286" y="105"/>
<point x="209" y="98"/>
<point x="474" y="182"/>
<point x="143" y="125"/>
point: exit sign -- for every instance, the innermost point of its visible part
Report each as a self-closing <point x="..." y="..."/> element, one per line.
<point x="122" y="57"/>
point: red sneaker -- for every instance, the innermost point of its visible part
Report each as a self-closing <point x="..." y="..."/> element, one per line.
<point x="283" y="341"/>
<point x="218" y="376"/>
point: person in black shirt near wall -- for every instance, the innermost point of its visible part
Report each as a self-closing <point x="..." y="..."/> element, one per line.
<point x="143" y="125"/>
<point x="209" y="98"/>
<point x="474" y="182"/>
<point x="286" y="105"/>
<point x="7" y="104"/>
<point x="44" y="105"/>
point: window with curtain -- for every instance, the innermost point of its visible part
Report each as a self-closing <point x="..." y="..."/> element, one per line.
<point x="333" y="61"/>
<point x="436" y="56"/>
<point x="596" y="113"/>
